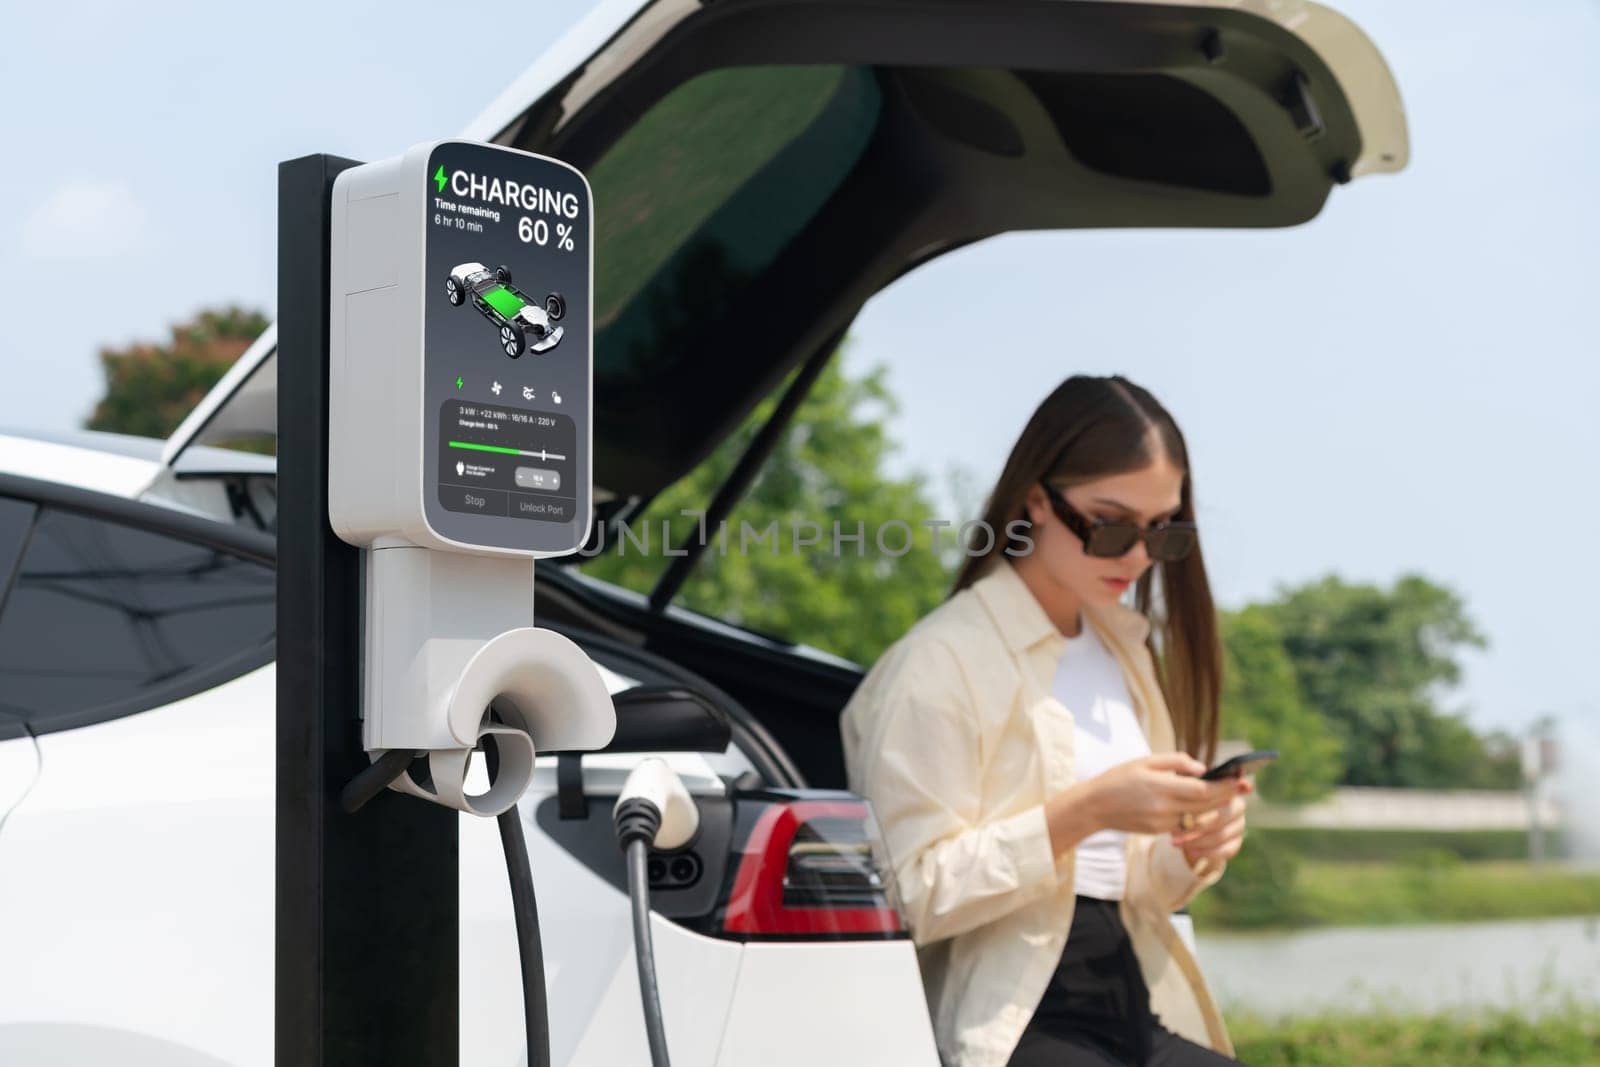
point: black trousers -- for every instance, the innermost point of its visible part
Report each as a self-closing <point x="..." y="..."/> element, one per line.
<point x="1096" y="1010"/>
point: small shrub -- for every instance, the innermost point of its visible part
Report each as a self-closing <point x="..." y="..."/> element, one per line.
<point x="1259" y="888"/>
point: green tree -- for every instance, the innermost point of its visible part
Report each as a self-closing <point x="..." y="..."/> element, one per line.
<point x="151" y="387"/>
<point x="827" y="469"/>
<point x="1455" y="756"/>
<point x="1373" y="661"/>
<point x="1262" y="703"/>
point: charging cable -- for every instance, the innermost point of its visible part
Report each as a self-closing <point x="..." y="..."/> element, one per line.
<point x="656" y="810"/>
<point x="372" y="780"/>
<point x="375" y="778"/>
<point x="525" y="909"/>
<point x="530" y="946"/>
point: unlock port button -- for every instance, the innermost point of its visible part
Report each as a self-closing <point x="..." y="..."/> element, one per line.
<point x="538" y="478"/>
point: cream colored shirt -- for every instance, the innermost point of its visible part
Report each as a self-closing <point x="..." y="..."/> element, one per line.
<point x="955" y="739"/>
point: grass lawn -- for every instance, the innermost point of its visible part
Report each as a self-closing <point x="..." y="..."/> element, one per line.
<point x="1286" y="891"/>
<point x="1338" y="893"/>
<point x="1499" y="1040"/>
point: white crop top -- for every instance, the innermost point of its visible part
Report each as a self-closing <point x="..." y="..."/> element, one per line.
<point x="1090" y="685"/>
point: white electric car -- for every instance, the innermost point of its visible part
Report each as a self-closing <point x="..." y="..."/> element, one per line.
<point x="761" y="168"/>
<point x="136" y="772"/>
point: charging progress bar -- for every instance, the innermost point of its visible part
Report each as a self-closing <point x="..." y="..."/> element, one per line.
<point x="541" y="454"/>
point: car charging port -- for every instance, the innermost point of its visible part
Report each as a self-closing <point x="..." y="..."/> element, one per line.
<point x="668" y="872"/>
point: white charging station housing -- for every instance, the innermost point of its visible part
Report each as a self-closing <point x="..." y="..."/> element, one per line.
<point x="460" y="392"/>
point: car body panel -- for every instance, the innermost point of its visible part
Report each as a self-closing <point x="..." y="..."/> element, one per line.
<point x="142" y="862"/>
<point x="592" y="976"/>
<point x="888" y="215"/>
<point x="77" y="463"/>
<point x="826" y="1020"/>
<point x="156" y="831"/>
<point x="620" y="31"/>
<point x="142" y="859"/>
<point x="132" y="468"/>
<point x="1364" y="75"/>
<point x="20" y="764"/>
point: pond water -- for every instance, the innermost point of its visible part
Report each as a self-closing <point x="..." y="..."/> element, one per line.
<point x="1533" y="964"/>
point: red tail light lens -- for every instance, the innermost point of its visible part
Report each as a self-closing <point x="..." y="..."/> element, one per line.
<point x="814" y="868"/>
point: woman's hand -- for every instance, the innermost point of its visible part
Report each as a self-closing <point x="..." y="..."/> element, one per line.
<point x="1218" y="833"/>
<point x="1148" y="795"/>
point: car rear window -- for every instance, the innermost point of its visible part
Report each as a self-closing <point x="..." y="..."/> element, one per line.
<point x="16" y="519"/>
<point x="104" y="620"/>
<point x="706" y="190"/>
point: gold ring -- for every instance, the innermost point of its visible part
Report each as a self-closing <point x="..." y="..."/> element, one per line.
<point x="1186" y="821"/>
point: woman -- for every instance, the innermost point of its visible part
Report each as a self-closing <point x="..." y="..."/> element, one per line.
<point x="1035" y="773"/>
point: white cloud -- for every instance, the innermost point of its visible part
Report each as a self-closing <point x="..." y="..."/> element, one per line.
<point x="84" y="220"/>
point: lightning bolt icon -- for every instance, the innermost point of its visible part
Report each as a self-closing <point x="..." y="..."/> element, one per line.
<point x="439" y="179"/>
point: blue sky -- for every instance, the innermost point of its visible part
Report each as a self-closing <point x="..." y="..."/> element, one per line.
<point x="1407" y="383"/>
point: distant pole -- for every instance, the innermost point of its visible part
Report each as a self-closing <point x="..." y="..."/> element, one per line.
<point x="1535" y="828"/>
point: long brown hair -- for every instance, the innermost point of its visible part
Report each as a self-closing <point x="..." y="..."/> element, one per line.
<point x="1093" y="427"/>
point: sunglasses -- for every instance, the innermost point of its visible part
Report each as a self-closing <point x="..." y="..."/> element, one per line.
<point x="1165" y="541"/>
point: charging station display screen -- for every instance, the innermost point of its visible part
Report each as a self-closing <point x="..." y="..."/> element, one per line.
<point x="507" y="357"/>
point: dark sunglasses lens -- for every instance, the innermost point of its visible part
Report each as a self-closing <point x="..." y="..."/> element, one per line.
<point x="1113" y="539"/>
<point x="1170" y="544"/>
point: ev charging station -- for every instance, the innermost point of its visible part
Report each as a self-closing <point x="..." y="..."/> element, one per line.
<point x="459" y="452"/>
<point x="435" y="369"/>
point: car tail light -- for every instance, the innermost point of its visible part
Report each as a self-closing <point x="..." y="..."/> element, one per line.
<point x="815" y="869"/>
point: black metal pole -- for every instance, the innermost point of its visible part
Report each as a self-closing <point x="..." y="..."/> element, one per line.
<point x="367" y="903"/>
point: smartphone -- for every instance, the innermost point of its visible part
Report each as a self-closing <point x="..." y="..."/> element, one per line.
<point x="1241" y="765"/>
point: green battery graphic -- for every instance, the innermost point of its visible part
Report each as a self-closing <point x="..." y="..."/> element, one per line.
<point x="504" y="301"/>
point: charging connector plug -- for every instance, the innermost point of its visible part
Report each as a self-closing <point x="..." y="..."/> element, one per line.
<point x="653" y="809"/>
<point x="655" y="805"/>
